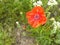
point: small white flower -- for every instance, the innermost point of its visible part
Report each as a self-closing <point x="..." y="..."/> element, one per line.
<point x="17" y="22"/>
<point x="54" y="28"/>
<point x="52" y="2"/>
<point x="35" y="4"/>
<point x="52" y="19"/>
<point x="21" y="12"/>
<point x="54" y="23"/>
<point x="58" y="24"/>
<point x="38" y="3"/>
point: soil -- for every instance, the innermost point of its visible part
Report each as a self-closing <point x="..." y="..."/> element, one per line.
<point x="23" y="39"/>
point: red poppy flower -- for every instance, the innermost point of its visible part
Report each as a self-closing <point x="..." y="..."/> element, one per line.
<point x="36" y="17"/>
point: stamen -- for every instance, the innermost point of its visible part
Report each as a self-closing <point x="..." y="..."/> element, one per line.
<point x="36" y="17"/>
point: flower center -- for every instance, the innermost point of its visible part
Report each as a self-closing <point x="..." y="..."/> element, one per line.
<point x="36" y="17"/>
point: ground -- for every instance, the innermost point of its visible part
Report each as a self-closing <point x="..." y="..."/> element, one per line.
<point x="23" y="39"/>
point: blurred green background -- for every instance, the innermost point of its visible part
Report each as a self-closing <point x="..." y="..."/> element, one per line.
<point x="12" y="11"/>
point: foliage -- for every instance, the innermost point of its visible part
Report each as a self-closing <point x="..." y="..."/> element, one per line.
<point x="6" y="37"/>
<point x="15" y="10"/>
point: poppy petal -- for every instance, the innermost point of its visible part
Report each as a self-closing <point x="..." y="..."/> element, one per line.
<point x="38" y="9"/>
<point x="36" y="17"/>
